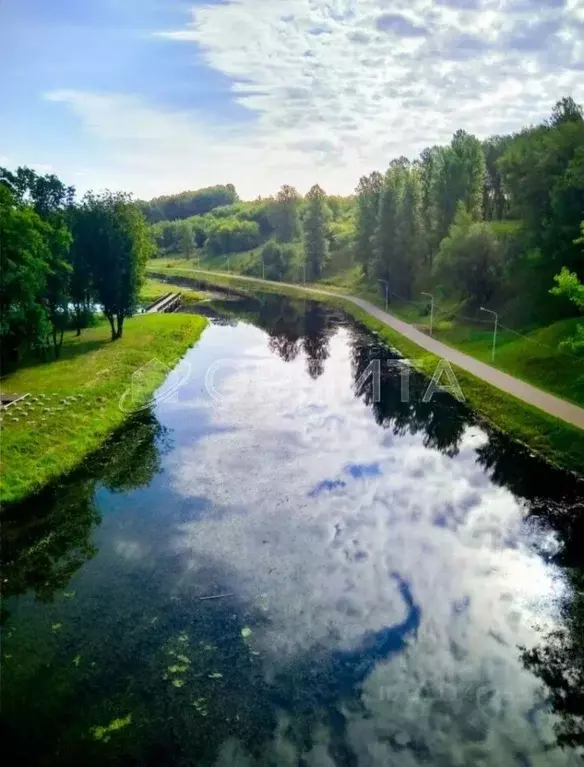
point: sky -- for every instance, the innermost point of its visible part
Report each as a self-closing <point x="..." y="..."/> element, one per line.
<point x="158" y="96"/>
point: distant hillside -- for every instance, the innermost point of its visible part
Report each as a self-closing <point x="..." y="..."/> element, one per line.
<point x="174" y="207"/>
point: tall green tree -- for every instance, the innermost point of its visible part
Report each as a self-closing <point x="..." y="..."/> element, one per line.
<point x="80" y="278"/>
<point x="57" y="293"/>
<point x="410" y="233"/>
<point x="431" y="162"/>
<point x="187" y="242"/>
<point x="368" y="196"/>
<point x="316" y="225"/>
<point x="118" y="242"/>
<point x="495" y="204"/>
<point x="543" y="169"/>
<point x="390" y="264"/>
<point x="461" y="179"/>
<point x="284" y="214"/>
<point x="24" y="267"/>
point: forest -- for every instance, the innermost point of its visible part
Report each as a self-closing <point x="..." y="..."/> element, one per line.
<point x="61" y="259"/>
<point x="494" y="223"/>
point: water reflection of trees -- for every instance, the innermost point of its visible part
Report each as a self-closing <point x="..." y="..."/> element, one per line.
<point x="47" y="538"/>
<point x="442" y="420"/>
<point x="551" y="496"/>
<point x="556" y="499"/>
<point x="292" y="326"/>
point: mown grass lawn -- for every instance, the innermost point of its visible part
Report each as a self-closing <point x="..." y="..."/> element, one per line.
<point x="74" y="401"/>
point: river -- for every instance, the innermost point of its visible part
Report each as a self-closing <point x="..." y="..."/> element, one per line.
<point x="282" y="562"/>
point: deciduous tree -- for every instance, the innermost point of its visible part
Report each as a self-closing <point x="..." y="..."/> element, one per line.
<point x="316" y="224"/>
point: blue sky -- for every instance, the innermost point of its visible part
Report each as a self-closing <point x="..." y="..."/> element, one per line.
<point x="156" y="96"/>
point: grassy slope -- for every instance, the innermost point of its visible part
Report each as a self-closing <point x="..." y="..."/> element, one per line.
<point x="74" y="403"/>
<point x="153" y="289"/>
<point x="559" y="442"/>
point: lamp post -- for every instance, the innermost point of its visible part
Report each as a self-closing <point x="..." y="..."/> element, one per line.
<point x="228" y="265"/>
<point x="304" y="271"/>
<point x="263" y="270"/>
<point x="386" y="283"/>
<point x="431" y="310"/>
<point x="490" y="311"/>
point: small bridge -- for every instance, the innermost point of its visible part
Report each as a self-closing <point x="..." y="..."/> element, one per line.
<point x="168" y="303"/>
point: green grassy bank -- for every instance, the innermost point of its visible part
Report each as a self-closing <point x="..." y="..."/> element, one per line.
<point x="550" y="437"/>
<point x="74" y="401"/>
<point x="153" y="289"/>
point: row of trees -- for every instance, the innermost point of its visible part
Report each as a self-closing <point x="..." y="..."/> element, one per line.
<point x="59" y="258"/>
<point x="481" y="218"/>
<point x="193" y="203"/>
<point x="323" y="223"/>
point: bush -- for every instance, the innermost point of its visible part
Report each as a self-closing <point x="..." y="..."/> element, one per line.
<point x="277" y="259"/>
<point x="231" y="235"/>
<point x="470" y="259"/>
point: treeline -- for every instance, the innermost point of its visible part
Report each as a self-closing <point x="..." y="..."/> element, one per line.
<point x="178" y="206"/>
<point x="485" y="222"/>
<point x="60" y="258"/>
<point x="277" y="223"/>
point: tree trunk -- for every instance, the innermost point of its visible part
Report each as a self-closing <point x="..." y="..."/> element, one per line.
<point x="78" y="319"/>
<point x="112" y="326"/>
<point x="56" y="344"/>
<point x="120" y="330"/>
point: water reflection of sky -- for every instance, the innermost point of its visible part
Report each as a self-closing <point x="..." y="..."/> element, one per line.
<point x="388" y="557"/>
<point x="314" y="509"/>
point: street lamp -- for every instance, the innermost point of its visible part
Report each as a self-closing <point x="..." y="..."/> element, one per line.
<point x="386" y="292"/>
<point x="490" y="311"/>
<point x="431" y="309"/>
<point x="304" y="270"/>
<point x="228" y="264"/>
<point x="263" y="270"/>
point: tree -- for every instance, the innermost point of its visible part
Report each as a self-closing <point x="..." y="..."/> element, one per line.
<point x="186" y="204"/>
<point x="24" y="267"/>
<point x="56" y="295"/>
<point x="187" y="245"/>
<point x="389" y="263"/>
<point x="316" y="223"/>
<point x="566" y="110"/>
<point x="80" y="278"/>
<point x="410" y="242"/>
<point x="470" y="259"/>
<point x="495" y="203"/>
<point x="431" y="161"/>
<point x="284" y="214"/>
<point x="276" y="260"/>
<point x="368" y="196"/>
<point x="231" y="235"/>
<point x="543" y="169"/>
<point x="461" y="179"/>
<point x="569" y="286"/>
<point x="117" y="240"/>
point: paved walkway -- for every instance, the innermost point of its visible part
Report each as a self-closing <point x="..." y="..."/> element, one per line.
<point x="543" y="400"/>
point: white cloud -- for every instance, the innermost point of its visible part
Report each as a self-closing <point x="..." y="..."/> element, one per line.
<point x="338" y="87"/>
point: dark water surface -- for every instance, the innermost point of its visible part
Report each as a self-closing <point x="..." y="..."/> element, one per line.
<point x="392" y="583"/>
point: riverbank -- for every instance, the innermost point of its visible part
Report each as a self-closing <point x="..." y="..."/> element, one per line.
<point x="559" y="442"/>
<point x="73" y="402"/>
<point x="153" y="289"/>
